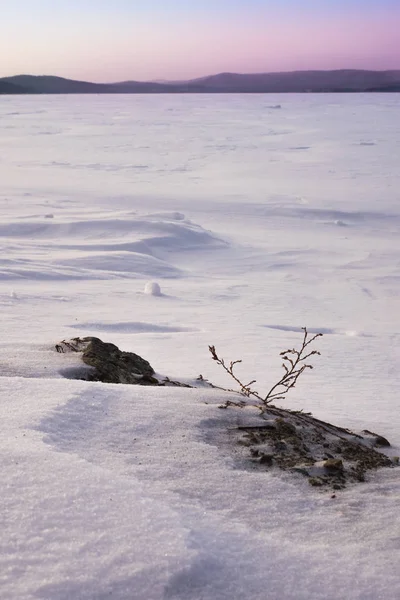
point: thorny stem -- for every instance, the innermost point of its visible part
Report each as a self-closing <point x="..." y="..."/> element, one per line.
<point x="293" y="364"/>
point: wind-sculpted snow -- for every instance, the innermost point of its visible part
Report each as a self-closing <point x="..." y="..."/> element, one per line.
<point x="323" y="330"/>
<point x="132" y="328"/>
<point x="100" y="248"/>
<point x="164" y="225"/>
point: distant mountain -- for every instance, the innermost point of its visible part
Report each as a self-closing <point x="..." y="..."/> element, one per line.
<point x="344" y="80"/>
<point x="298" y="81"/>
<point x="10" y="88"/>
<point x="52" y="85"/>
<point x="44" y="84"/>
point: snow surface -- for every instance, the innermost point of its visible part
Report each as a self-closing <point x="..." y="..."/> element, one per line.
<point x="252" y="222"/>
<point x="152" y="288"/>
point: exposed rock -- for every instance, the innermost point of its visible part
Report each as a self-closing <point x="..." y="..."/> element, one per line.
<point x="289" y="440"/>
<point x="326" y="454"/>
<point x="378" y="440"/>
<point x="333" y="464"/>
<point x="266" y="459"/>
<point x="316" y="482"/>
<point x="110" y="364"/>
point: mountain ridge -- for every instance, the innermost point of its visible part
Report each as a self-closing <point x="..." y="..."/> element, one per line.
<point x="314" y="81"/>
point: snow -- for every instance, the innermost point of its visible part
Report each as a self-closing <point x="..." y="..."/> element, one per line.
<point x="152" y="288"/>
<point x="165" y="224"/>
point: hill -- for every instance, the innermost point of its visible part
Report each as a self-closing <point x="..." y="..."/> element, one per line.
<point x="298" y="81"/>
<point x="44" y="84"/>
<point x="7" y="87"/>
<point x="345" y="80"/>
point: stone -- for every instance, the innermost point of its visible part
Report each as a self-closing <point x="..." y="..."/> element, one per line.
<point x="316" y="482"/>
<point x="326" y="454"/>
<point x="110" y="364"/>
<point x="378" y="440"/>
<point x="266" y="459"/>
<point x="285" y="428"/>
<point x="333" y="464"/>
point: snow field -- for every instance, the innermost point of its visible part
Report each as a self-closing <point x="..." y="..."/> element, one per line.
<point x="164" y="225"/>
<point x="137" y="509"/>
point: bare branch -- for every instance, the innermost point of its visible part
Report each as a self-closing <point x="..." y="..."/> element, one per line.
<point x="245" y="389"/>
<point x="293" y="367"/>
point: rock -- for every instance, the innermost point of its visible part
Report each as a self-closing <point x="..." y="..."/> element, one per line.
<point x="316" y="481"/>
<point x="301" y="470"/>
<point x="381" y="441"/>
<point x="110" y="364"/>
<point x="378" y="440"/>
<point x="326" y="454"/>
<point x="333" y="464"/>
<point x="266" y="459"/>
<point x="285" y="428"/>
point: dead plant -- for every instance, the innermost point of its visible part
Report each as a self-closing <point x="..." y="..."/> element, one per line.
<point x="294" y="364"/>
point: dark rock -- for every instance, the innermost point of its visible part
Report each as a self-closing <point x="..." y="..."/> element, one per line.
<point x="266" y="459"/>
<point x="316" y="482"/>
<point x="301" y="470"/>
<point x="381" y="442"/>
<point x="285" y="428"/>
<point x="378" y="440"/>
<point x="333" y="464"/>
<point x="110" y="364"/>
<point x="280" y="446"/>
<point x="325" y="453"/>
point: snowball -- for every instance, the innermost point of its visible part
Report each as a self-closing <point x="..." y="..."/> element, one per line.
<point x="152" y="289"/>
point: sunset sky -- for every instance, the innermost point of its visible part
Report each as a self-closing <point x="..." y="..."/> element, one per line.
<point x="112" y="40"/>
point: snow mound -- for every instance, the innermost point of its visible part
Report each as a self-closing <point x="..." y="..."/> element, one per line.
<point x="105" y="247"/>
<point x="152" y="288"/>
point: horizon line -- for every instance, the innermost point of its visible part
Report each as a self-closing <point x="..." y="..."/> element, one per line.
<point x="166" y="81"/>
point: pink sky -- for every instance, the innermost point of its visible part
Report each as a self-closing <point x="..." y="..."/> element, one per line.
<point x="111" y="49"/>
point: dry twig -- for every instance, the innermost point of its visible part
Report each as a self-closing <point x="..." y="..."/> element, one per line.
<point x="293" y="364"/>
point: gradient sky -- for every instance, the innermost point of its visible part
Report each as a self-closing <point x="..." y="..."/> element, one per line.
<point x="101" y="40"/>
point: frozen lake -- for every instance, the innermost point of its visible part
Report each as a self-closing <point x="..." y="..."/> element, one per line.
<point x="257" y="215"/>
